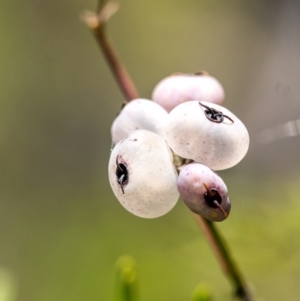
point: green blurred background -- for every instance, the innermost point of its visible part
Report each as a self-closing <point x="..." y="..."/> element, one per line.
<point x="61" y="228"/>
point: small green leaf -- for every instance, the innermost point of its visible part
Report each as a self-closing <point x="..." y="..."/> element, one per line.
<point x="202" y="292"/>
<point x="126" y="279"/>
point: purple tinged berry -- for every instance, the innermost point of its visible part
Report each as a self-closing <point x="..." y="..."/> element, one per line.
<point x="204" y="192"/>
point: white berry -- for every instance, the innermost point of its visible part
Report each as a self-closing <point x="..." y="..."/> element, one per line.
<point x="142" y="175"/>
<point x="219" y="143"/>
<point x="139" y="114"/>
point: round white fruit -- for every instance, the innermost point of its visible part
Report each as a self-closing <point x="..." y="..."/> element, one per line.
<point x="142" y="175"/>
<point x="179" y="88"/>
<point x="204" y="192"/>
<point x="139" y="114"/>
<point x="192" y="135"/>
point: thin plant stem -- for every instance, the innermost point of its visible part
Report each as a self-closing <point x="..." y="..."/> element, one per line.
<point x="225" y="259"/>
<point x="96" y="22"/>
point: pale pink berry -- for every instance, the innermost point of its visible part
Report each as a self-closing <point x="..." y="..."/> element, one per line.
<point x="179" y="88"/>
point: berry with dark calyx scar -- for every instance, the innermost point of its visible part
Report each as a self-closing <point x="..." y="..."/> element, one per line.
<point x="121" y="173"/>
<point x="204" y="192"/>
<point x="179" y="88"/>
<point x="207" y="133"/>
<point x="139" y="114"/>
<point x="142" y="175"/>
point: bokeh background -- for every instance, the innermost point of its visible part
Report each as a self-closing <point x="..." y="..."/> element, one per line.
<point x="61" y="228"/>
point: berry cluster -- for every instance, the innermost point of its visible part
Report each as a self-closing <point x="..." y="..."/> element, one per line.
<point x="185" y="123"/>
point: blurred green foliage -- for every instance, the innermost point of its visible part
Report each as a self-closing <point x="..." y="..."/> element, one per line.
<point x="126" y="288"/>
<point x="61" y="228"/>
<point x="8" y="287"/>
<point x="202" y="292"/>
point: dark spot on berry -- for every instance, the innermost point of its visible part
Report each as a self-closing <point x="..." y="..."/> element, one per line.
<point x="213" y="199"/>
<point x="211" y="196"/>
<point x="214" y="115"/>
<point x="121" y="174"/>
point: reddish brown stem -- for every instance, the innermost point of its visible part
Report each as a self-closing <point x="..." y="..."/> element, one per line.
<point x="97" y="24"/>
<point x="118" y="69"/>
<point x="225" y="259"/>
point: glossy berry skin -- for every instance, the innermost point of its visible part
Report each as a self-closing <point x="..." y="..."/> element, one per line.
<point x="176" y="89"/>
<point x="142" y="175"/>
<point x="219" y="144"/>
<point x="199" y="188"/>
<point x="139" y="114"/>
